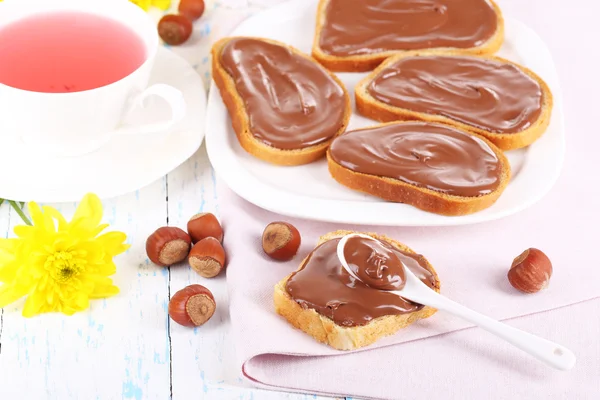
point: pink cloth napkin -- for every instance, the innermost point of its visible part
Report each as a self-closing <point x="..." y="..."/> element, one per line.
<point x="472" y="262"/>
<point x="426" y="360"/>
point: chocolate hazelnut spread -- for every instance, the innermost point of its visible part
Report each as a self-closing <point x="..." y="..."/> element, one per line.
<point x="374" y="263"/>
<point x="487" y="94"/>
<point x="433" y="156"/>
<point x="324" y="285"/>
<point x="291" y="101"/>
<point x="358" y="27"/>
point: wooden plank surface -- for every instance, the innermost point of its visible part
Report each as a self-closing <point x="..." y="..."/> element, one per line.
<point x="125" y="347"/>
<point x="119" y="348"/>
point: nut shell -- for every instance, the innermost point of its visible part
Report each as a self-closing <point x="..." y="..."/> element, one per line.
<point x="281" y="240"/>
<point x="192" y="306"/>
<point x="204" y="225"/>
<point x="192" y="9"/>
<point x="207" y="257"/>
<point x="530" y="272"/>
<point x="175" y="29"/>
<point x="168" y="245"/>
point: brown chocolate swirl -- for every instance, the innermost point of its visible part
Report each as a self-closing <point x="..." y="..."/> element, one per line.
<point x="324" y="285"/>
<point x="432" y="156"/>
<point x="375" y="263"/>
<point x="357" y="27"/>
<point x="487" y="94"/>
<point x="291" y="101"/>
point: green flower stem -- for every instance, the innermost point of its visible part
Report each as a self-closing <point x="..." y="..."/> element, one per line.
<point x="20" y="212"/>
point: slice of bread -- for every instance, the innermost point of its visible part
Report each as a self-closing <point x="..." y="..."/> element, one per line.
<point x="325" y="330"/>
<point x="240" y="121"/>
<point x="374" y="109"/>
<point x="367" y="62"/>
<point x="420" y="197"/>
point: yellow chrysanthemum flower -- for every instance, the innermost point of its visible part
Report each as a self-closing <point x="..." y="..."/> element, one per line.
<point x="60" y="265"/>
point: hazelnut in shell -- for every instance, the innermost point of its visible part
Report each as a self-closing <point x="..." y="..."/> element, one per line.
<point x="175" y="29"/>
<point x="530" y="271"/>
<point x="204" y="225"/>
<point x="192" y="306"/>
<point x="168" y="245"/>
<point x="192" y="9"/>
<point x="281" y="240"/>
<point x="207" y="257"/>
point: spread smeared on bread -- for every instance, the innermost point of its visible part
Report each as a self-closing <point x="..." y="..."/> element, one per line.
<point x="487" y="94"/>
<point x="505" y="102"/>
<point x="427" y="155"/>
<point x="329" y="305"/>
<point x="354" y="27"/>
<point x="356" y="35"/>
<point x="285" y="107"/>
<point x="434" y="167"/>
<point x="323" y="285"/>
<point x="292" y="103"/>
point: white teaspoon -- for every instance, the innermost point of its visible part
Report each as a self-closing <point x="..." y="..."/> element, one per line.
<point x="414" y="290"/>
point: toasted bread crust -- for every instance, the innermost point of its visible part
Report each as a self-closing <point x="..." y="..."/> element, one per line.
<point x="367" y="62"/>
<point x="374" y="109"/>
<point x="326" y="331"/>
<point x="425" y="199"/>
<point x="240" y="121"/>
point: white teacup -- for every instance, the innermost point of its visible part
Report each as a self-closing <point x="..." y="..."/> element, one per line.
<point x="76" y="123"/>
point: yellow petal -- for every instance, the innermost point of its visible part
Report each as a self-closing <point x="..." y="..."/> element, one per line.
<point x="106" y="269"/>
<point x="36" y="213"/>
<point x="8" y="271"/>
<point x="81" y="301"/>
<point x="40" y="219"/>
<point x="113" y="242"/>
<point x="9" y="294"/>
<point x="68" y="310"/>
<point x="89" y="212"/>
<point x="53" y="213"/>
<point x="24" y="231"/>
<point x="103" y="291"/>
<point x="162" y="4"/>
<point x="99" y="229"/>
<point x="6" y="258"/>
<point x="8" y="244"/>
<point x="144" y="4"/>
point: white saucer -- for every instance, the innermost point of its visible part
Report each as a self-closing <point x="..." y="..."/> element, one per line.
<point x="124" y="164"/>
<point x="308" y="191"/>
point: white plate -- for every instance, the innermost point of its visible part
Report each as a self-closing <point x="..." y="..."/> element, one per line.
<point x="123" y="165"/>
<point x="309" y="191"/>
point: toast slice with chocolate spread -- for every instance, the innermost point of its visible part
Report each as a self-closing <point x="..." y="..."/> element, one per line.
<point x="354" y="328"/>
<point x="357" y="35"/>
<point x="434" y="167"/>
<point x="503" y="101"/>
<point x="285" y="108"/>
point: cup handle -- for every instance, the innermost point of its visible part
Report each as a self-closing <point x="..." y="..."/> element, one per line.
<point x="172" y="96"/>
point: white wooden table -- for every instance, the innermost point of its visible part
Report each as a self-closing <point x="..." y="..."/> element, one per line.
<point x="126" y="347"/>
